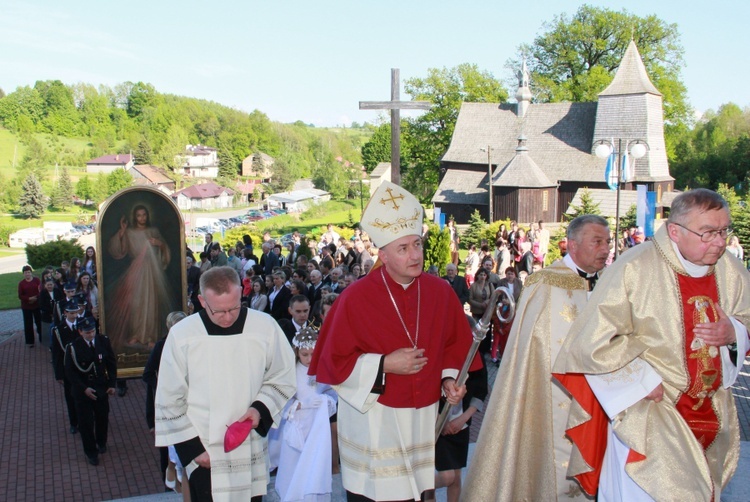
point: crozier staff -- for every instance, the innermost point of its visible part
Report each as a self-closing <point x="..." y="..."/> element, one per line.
<point x="390" y="345"/>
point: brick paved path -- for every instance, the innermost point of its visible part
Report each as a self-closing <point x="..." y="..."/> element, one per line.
<point x="41" y="460"/>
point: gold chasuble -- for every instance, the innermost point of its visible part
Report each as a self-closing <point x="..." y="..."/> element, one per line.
<point x="522" y="452"/>
<point x="644" y="310"/>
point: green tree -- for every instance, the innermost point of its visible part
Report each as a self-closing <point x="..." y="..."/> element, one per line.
<point x="52" y="252"/>
<point x="62" y="195"/>
<point x="100" y="189"/>
<point x="143" y="153"/>
<point x="437" y="248"/>
<point x="576" y="57"/>
<point x="427" y="137"/>
<point x="587" y="206"/>
<point x="117" y="180"/>
<point x="85" y="189"/>
<point x="476" y="231"/>
<point x="378" y="148"/>
<point x="283" y="176"/>
<point x="36" y="159"/>
<point x="738" y="213"/>
<point x="628" y="221"/>
<point x="228" y="165"/>
<point x="32" y="202"/>
<point x="716" y="151"/>
<point x="141" y="97"/>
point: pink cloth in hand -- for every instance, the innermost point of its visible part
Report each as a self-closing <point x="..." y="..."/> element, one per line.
<point x="236" y="434"/>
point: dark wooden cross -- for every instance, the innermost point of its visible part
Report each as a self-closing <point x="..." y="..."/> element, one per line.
<point x="395" y="106"/>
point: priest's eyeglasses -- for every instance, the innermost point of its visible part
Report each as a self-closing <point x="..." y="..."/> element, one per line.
<point x="222" y="312"/>
<point x="709" y="235"/>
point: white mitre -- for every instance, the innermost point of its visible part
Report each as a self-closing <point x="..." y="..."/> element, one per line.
<point x="392" y="213"/>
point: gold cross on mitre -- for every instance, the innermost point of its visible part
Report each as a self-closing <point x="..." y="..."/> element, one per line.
<point x="392" y="198"/>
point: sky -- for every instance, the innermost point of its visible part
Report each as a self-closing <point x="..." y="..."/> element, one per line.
<point x="315" y="60"/>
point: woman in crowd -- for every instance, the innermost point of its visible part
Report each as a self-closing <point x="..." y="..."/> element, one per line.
<point x="471" y="264"/>
<point x="74" y="269"/>
<point x="48" y="298"/>
<point x="298" y="287"/>
<point x="61" y="278"/>
<point x="454" y="241"/>
<point x="28" y="293"/>
<point x="85" y="285"/>
<point x="89" y="262"/>
<point x="258" y="298"/>
<point x="479" y="294"/>
<point x="735" y="248"/>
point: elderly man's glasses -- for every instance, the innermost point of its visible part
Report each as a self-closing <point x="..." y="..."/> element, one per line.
<point x="709" y="235"/>
<point x="221" y="312"/>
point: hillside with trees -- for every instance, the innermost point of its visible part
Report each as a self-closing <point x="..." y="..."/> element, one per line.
<point x="53" y="124"/>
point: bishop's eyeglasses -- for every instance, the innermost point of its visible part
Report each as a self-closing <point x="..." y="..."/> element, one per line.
<point x="709" y="235"/>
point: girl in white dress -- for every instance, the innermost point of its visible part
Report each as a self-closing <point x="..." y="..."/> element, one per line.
<point x="301" y="446"/>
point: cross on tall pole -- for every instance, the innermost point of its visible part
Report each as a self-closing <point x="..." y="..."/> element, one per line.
<point x="395" y="106"/>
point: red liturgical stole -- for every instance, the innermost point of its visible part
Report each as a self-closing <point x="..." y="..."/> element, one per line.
<point x="699" y="299"/>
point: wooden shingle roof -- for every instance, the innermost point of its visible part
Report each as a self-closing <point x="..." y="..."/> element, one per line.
<point x="631" y="76"/>
<point x="462" y="187"/>
<point x="559" y="137"/>
<point x="521" y="172"/>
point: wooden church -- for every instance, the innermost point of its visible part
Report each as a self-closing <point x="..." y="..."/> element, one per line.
<point x="541" y="154"/>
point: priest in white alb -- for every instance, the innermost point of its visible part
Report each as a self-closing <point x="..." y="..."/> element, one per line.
<point x="223" y="365"/>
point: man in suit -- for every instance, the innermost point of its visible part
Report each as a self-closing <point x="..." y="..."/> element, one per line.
<point x="209" y="243"/>
<point x="316" y="282"/>
<point x="457" y="282"/>
<point x="193" y="283"/>
<point x="268" y="260"/>
<point x="326" y="264"/>
<point x="64" y="333"/>
<point x="299" y="309"/>
<point x="91" y="367"/>
<point x="278" y="297"/>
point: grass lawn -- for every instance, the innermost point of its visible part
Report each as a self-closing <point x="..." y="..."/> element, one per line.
<point x="10" y="146"/>
<point x="9" y="290"/>
<point x="4" y="252"/>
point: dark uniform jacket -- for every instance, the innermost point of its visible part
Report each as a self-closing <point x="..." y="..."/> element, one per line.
<point x="87" y="367"/>
<point x="62" y="335"/>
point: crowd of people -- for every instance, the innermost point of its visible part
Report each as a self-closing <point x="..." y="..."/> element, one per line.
<point x="341" y="361"/>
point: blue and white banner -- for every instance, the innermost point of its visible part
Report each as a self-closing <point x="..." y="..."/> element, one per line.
<point x="610" y="172"/>
<point x="645" y="210"/>
<point x="628" y="168"/>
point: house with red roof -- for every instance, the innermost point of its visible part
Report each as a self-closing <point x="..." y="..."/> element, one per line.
<point x="109" y="163"/>
<point x="204" y="196"/>
<point x="148" y="175"/>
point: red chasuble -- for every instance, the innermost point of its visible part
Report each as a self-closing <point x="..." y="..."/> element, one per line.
<point x="363" y="320"/>
<point x="699" y="298"/>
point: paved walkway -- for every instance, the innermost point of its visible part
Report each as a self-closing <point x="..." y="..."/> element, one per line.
<point x="40" y="460"/>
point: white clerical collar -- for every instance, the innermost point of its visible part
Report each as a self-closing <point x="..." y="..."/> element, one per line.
<point x="692" y="269"/>
<point x="568" y="261"/>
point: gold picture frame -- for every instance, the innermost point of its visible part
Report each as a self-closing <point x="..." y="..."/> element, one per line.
<point x="141" y="272"/>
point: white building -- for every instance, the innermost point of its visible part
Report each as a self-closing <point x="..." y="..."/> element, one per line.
<point x="200" y="161"/>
